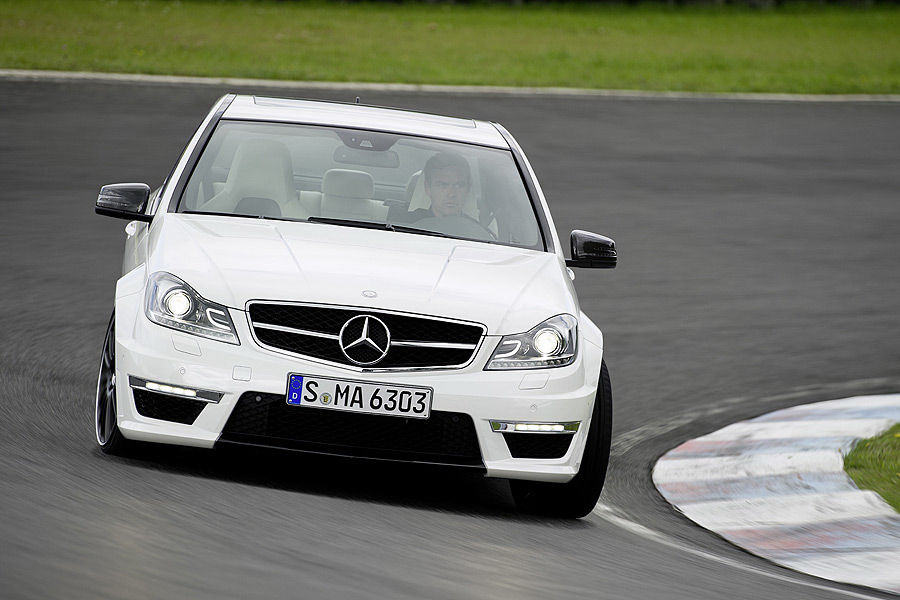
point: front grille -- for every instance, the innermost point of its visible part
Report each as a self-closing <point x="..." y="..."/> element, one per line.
<point x="314" y="331"/>
<point x="538" y="445"/>
<point x="167" y="408"/>
<point x="267" y="420"/>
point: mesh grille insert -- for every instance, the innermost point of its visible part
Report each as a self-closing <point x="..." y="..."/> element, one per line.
<point x="537" y="445"/>
<point x="267" y="420"/>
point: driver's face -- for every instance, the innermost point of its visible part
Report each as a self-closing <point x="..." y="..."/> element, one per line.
<point x="447" y="190"/>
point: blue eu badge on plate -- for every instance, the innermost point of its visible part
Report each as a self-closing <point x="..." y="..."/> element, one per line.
<point x="295" y="389"/>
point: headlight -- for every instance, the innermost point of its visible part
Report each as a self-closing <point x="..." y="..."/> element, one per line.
<point x="172" y="303"/>
<point x="550" y="344"/>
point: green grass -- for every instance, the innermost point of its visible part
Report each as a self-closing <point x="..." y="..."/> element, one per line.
<point x="875" y="465"/>
<point x="801" y="48"/>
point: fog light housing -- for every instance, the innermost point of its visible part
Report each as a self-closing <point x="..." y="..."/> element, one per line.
<point x="175" y="390"/>
<point x="531" y="427"/>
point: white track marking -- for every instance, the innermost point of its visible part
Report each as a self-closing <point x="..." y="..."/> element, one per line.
<point x="773" y="430"/>
<point x="842" y="566"/>
<point x="862" y="402"/>
<point x="27" y="75"/>
<point x="781" y="511"/>
<point x="623" y="442"/>
<point x="746" y="465"/>
<point x="613" y="516"/>
<point x="814" y="430"/>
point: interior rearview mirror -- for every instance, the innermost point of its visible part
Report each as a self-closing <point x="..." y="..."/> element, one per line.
<point x="592" y="251"/>
<point x="124" y="201"/>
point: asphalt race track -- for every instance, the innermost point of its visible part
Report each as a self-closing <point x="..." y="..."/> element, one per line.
<point x="759" y="268"/>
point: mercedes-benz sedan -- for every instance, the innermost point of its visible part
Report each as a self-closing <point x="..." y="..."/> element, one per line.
<point x="358" y="281"/>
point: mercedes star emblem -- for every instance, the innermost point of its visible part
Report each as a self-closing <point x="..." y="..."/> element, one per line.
<point x="365" y="340"/>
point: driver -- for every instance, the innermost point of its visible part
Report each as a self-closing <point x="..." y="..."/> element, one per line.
<point x="446" y="185"/>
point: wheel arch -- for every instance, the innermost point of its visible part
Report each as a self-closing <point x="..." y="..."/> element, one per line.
<point x="592" y="349"/>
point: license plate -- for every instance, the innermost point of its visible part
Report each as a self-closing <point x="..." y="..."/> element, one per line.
<point x="359" y="396"/>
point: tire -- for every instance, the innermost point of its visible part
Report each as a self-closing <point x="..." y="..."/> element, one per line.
<point x="106" y="427"/>
<point x="577" y="497"/>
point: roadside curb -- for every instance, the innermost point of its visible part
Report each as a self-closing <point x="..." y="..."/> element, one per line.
<point x="775" y="485"/>
<point x="42" y="75"/>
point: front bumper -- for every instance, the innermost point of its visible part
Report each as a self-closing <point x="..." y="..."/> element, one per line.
<point x="150" y="352"/>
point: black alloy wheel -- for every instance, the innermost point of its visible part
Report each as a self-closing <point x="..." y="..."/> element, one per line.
<point x="576" y="498"/>
<point x="109" y="437"/>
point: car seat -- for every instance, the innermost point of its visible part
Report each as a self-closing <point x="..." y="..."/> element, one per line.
<point x="260" y="181"/>
<point x="347" y="194"/>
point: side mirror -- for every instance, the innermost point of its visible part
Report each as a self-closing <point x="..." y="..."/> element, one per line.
<point x="124" y="201"/>
<point x="592" y="251"/>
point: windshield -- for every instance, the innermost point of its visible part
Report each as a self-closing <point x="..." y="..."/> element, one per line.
<point x="362" y="178"/>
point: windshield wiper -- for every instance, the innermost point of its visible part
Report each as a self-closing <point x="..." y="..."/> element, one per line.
<point x="345" y="223"/>
<point x="375" y="225"/>
<point x="245" y="216"/>
<point x="410" y="229"/>
<point x="351" y="223"/>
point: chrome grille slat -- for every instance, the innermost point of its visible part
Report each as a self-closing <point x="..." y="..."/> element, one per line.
<point x="433" y="345"/>
<point x="328" y="336"/>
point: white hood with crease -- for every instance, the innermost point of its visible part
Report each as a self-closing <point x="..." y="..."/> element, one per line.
<point x="233" y="260"/>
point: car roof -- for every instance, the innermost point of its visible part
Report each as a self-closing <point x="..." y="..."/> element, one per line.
<point x="360" y="116"/>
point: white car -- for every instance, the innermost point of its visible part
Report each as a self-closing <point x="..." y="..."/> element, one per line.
<point x="358" y="281"/>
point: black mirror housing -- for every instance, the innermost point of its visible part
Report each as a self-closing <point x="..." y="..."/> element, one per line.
<point x="592" y="251"/>
<point x="124" y="201"/>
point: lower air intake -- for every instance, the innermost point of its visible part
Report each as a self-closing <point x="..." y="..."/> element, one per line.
<point x="538" y="445"/>
<point x="267" y="420"/>
<point x="167" y="408"/>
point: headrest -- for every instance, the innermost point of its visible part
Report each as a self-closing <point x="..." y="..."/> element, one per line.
<point x="411" y="186"/>
<point x="348" y="184"/>
<point x="262" y="169"/>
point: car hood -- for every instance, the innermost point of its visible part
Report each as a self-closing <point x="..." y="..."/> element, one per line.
<point x="234" y="260"/>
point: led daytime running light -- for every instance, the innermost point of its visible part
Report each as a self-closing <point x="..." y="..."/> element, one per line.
<point x="524" y="427"/>
<point x="170" y="389"/>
